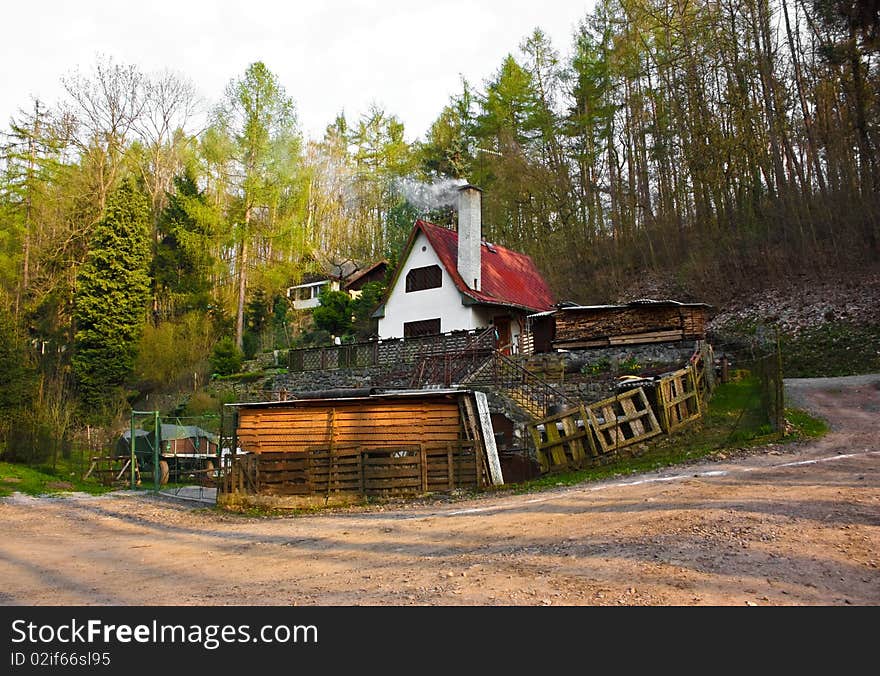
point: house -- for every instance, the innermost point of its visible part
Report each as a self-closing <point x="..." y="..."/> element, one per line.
<point x="333" y="275"/>
<point x="450" y="281"/>
<point x="348" y="276"/>
<point x="636" y="323"/>
<point x="357" y="280"/>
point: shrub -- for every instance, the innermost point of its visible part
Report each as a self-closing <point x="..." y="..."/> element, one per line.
<point x="226" y="358"/>
<point x="250" y="343"/>
<point x="172" y="352"/>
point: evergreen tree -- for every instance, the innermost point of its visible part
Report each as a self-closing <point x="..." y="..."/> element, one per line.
<point x="17" y="373"/>
<point x="113" y="287"/>
<point x="182" y="265"/>
<point x="333" y="315"/>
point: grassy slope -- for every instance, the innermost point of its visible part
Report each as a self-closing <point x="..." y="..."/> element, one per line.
<point x="832" y="349"/>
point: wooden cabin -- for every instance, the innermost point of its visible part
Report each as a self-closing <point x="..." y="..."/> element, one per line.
<point x="364" y="443"/>
<point x="638" y="322"/>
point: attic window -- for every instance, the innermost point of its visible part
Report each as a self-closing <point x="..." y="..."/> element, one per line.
<point x="419" y="279"/>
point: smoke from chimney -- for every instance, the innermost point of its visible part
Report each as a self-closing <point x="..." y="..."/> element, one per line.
<point x="430" y="196"/>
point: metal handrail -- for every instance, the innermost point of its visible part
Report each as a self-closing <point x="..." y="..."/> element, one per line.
<point x="506" y="374"/>
<point x="447" y="368"/>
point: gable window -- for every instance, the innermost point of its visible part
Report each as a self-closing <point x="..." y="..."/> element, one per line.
<point x="419" y="279"/>
<point x="426" y="327"/>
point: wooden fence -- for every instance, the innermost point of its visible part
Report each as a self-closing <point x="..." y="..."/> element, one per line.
<point x="678" y="399"/>
<point x="576" y="437"/>
<point x="622" y="420"/>
<point x="585" y="434"/>
<point x="357" y="472"/>
<point x="562" y="441"/>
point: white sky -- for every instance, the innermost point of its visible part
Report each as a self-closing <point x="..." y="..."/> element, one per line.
<point x="330" y="56"/>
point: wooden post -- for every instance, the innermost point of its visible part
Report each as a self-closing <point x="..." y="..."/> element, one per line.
<point x="696" y="391"/>
<point x="450" y="469"/>
<point x="423" y="458"/>
<point x="780" y="388"/>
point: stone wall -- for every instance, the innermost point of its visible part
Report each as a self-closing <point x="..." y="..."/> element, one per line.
<point x="591" y="374"/>
<point x="364" y="376"/>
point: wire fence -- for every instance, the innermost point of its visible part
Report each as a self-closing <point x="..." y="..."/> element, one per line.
<point x="758" y="353"/>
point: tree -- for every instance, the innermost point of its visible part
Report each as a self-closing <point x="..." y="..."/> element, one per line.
<point x="259" y="118"/>
<point x="183" y="262"/>
<point x="17" y="374"/>
<point x="333" y="315"/>
<point x="103" y="110"/>
<point x="113" y="289"/>
<point x="362" y="309"/>
<point x="226" y="358"/>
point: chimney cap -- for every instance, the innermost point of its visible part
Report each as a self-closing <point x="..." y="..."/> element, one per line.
<point x="469" y="186"/>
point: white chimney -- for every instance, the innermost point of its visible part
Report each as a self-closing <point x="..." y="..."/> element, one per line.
<point x="470" y="225"/>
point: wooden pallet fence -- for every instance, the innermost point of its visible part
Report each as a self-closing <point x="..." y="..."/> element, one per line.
<point x="678" y="399"/>
<point x="622" y="420"/>
<point x="386" y="471"/>
<point x="563" y="441"/>
<point x="703" y="364"/>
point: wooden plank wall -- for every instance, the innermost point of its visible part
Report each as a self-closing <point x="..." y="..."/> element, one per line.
<point x="358" y="424"/>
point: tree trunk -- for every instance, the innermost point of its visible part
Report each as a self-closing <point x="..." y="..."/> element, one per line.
<point x="242" y="279"/>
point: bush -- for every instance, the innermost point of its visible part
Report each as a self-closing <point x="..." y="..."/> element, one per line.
<point x="250" y="343"/>
<point x="169" y="354"/>
<point x="226" y="358"/>
<point x="333" y="315"/>
<point x="200" y="404"/>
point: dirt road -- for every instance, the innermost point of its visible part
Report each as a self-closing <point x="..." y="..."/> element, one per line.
<point x="790" y="525"/>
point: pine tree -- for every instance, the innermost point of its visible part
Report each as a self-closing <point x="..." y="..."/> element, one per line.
<point x="183" y="262"/>
<point x="113" y="289"/>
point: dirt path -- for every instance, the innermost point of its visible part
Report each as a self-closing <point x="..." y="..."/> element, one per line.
<point x="791" y="525"/>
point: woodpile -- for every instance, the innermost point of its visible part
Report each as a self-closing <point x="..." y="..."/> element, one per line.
<point x="636" y="323"/>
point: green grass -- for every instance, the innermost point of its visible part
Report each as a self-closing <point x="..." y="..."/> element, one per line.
<point x="805" y="426"/>
<point x="734" y="420"/>
<point x="832" y="349"/>
<point x="65" y="477"/>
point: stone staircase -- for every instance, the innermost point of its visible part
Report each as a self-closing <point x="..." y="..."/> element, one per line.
<point x="527" y="391"/>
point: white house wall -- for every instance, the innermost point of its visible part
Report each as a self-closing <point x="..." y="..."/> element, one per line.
<point x="443" y="302"/>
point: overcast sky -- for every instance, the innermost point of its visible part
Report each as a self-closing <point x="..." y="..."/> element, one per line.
<point x="406" y="56"/>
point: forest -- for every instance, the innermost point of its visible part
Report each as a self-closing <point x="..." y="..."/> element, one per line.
<point x="709" y="146"/>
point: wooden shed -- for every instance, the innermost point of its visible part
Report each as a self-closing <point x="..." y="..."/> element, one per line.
<point x="638" y="322"/>
<point x="351" y="444"/>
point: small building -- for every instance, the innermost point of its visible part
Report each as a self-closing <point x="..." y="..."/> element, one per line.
<point x="639" y="322"/>
<point x="451" y="280"/>
<point x="355" y="443"/>
<point x="349" y="276"/>
<point x="357" y="280"/>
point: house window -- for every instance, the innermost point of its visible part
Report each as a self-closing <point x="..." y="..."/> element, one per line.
<point x="419" y="279"/>
<point x="426" y="327"/>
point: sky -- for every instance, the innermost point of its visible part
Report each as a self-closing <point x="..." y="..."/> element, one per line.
<point x="331" y="56"/>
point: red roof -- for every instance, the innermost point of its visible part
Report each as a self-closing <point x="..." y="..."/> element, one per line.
<point x="508" y="277"/>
